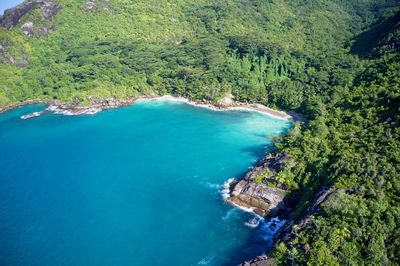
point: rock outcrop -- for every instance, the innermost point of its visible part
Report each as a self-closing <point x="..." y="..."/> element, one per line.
<point x="261" y="198"/>
<point x="262" y="260"/>
<point x="27" y="28"/>
<point x="18" y="58"/>
<point x="97" y="5"/>
<point x="95" y="106"/>
<point x="226" y="101"/>
<point x="48" y="8"/>
<point x="322" y="196"/>
<point x="287" y="232"/>
<point x="13" y="16"/>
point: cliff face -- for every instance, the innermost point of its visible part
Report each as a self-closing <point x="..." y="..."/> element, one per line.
<point x="322" y="196"/>
<point x="288" y="232"/>
<point x="261" y="198"/>
<point x="39" y="25"/>
<point x="13" y="16"/>
<point x="266" y="200"/>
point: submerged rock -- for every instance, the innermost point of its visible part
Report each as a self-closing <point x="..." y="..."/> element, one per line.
<point x="32" y="115"/>
<point x="67" y="109"/>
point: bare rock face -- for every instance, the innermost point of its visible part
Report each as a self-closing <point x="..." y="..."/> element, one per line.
<point x="226" y="101"/>
<point x="262" y="260"/>
<point x="321" y="197"/>
<point x="9" y="52"/>
<point x="261" y="198"/>
<point x="27" y="28"/>
<point x="97" y="5"/>
<point x="89" y="5"/>
<point x="12" y="16"/>
<point x="49" y="9"/>
<point x="272" y="164"/>
<point x="288" y="232"/>
<point x="20" y="59"/>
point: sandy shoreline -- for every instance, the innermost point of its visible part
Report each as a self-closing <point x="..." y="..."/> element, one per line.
<point x="269" y="227"/>
<point x="225" y="105"/>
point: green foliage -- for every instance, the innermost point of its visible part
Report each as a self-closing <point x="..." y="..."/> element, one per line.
<point x="260" y="51"/>
<point x="261" y="178"/>
<point x="351" y="143"/>
<point x="335" y="61"/>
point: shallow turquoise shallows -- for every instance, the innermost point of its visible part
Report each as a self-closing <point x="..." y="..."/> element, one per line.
<point x="139" y="185"/>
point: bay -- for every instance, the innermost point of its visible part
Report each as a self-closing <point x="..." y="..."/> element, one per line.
<point x="138" y="185"/>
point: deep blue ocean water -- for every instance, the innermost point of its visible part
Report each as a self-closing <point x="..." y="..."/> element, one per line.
<point x="139" y="185"/>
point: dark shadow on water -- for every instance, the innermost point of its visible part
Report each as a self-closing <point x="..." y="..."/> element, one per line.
<point x="258" y="151"/>
<point x="255" y="245"/>
<point x="261" y="239"/>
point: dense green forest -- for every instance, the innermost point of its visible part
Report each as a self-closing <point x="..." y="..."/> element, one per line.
<point x="337" y="62"/>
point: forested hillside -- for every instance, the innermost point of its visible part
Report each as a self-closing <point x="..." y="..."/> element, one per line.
<point x="282" y="53"/>
<point x="337" y="62"/>
<point x="352" y="147"/>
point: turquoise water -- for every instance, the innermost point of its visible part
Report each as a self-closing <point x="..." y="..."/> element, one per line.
<point x="139" y="185"/>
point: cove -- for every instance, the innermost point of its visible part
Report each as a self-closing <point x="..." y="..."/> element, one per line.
<point x="138" y="185"/>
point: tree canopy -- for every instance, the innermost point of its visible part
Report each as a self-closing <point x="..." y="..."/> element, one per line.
<point x="337" y="62"/>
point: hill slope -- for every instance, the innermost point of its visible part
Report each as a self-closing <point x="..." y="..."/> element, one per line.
<point x="335" y="61"/>
<point x="274" y="52"/>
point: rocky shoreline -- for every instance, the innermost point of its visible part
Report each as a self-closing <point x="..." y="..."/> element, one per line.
<point x="58" y="107"/>
<point x="262" y="199"/>
<point x="292" y="227"/>
<point x="98" y="105"/>
<point x="247" y="193"/>
<point x="16" y="105"/>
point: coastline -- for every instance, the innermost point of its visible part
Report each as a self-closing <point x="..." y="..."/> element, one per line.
<point x="28" y="102"/>
<point x="225" y="104"/>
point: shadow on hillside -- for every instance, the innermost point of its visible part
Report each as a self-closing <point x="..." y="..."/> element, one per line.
<point x="366" y="42"/>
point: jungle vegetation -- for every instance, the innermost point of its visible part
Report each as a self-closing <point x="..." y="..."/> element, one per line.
<point x="337" y="62"/>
